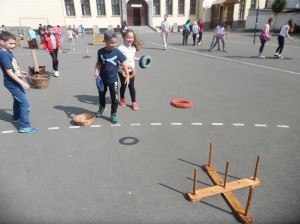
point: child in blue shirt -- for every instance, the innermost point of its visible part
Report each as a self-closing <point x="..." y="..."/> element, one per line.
<point x="106" y="68"/>
<point x="12" y="76"/>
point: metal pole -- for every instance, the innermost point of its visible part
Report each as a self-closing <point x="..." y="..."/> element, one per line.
<point x="256" y="21"/>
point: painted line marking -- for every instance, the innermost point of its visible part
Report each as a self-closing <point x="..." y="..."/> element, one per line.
<point x="238" y="124"/>
<point x="7" y="132"/>
<point x="115" y="125"/>
<point x="283" y="126"/>
<point x="155" y="124"/>
<point x="74" y="127"/>
<point x="135" y="124"/>
<point x="217" y="124"/>
<point x="260" y="125"/>
<point x="95" y="126"/>
<point x="176" y="124"/>
<point x="226" y="59"/>
<point x="196" y="123"/>
<point x="53" y="128"/>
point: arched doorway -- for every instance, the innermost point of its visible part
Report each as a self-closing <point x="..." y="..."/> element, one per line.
<point x="137" y="13"/>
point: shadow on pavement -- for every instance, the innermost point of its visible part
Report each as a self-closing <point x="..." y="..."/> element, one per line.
<point x="91" y="99"/>
<point x="72" y="111"/>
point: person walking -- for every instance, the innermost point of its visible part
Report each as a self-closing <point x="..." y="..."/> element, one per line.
<point x="82" y="30"/>
<point x="106" y="69"/>
<point x="32" y="36"/>
<point x="216" y="30"/>
<point x="195" y="29"/>
<point x="59" y="33"/>
<point x="284" y="31"/>
<point x="165" y="28"/>
<point x="186" y="32"/>
<point x="12" y="78"/>
<point x="130" y="46"/>
<point x="265" y="36"/>
<point x="70" y="35"/>
<point x="201" y="25"/>
<point x="52" y="46"/>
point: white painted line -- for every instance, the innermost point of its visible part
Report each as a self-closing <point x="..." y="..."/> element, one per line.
<point x="226" y="59"/>
<point x="283" y="126"/>
<point x="155" y="124"/>
<point x="95" y="126"/>
<point x="135" y="124"/>
<point x="238" y="124"/>
<point x="196" y="123"/>
<point x="7" y="132"/>
<point x="260" y="125"/>
<point x="217" y="124"/>
<point x="115" y="125"/>
<point x="74" y="127"/>
<point x="53" y="128"/>
<point x="176" y="124"/>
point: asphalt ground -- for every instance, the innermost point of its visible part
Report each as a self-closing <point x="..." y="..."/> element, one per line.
<point x="140" y="170"/>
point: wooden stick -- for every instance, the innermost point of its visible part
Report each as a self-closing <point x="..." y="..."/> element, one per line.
<point x="249" y="200"/>
<point x="256" y="168"/>
<point x="195" y="181"/>
<point x="210" y="153"/>
<point x="226" y="174"/>
<point x="35" y="62"/>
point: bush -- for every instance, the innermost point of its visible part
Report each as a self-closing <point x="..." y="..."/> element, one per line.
<point x="279" y="6"/>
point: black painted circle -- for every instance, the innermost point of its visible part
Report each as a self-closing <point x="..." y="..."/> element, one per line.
<point x="129" y="141"/>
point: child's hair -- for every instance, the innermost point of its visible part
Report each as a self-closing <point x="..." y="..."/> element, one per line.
<point x="195" y="22"/>
<point x="5" y="36"/>
<point x="188" y="21"/>
<point x="271" y="19"/>
<point x="49" y="26"/>
<point x="291" y="23"/>
<point x="136" y="42"/>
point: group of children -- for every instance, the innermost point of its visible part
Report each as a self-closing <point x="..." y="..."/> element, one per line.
<point x="110" y="63"/>
<point x="266" y="36"/>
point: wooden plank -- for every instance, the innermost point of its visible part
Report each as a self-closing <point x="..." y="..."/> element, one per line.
<point x="234" y="203"/>
<point x="217" y="189"/>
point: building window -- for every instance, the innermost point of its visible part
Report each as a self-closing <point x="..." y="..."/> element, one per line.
<point x="156" y="7"/>
<point x="180" y="7"/>
<point x="269" y="4"/>
<point x="100" y="8"/>
<point x="70" y="10"/>
<point x="253" y="4"/>
<point x="169" y="7"/>
<point x="241" y="9"/>
<point x="85" y="7"/>
<point x="115" y="7"/>
<point x="193" y="7"/>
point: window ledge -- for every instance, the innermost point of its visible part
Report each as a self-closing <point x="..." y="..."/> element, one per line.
<point x="86" y="16"/>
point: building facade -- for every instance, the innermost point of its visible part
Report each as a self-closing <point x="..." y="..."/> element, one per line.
<point x="104" y="13"/>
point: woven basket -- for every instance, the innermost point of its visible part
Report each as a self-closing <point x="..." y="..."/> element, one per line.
<point x="40" y="81"/>
<point x="84" y="119"/>
<point x="42" y="69"/>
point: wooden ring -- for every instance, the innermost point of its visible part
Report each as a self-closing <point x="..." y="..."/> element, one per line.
<point x="181" y="103"/>
<point x="130" y="75"/>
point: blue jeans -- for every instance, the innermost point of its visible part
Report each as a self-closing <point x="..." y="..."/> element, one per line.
<point x="21" y="106"/>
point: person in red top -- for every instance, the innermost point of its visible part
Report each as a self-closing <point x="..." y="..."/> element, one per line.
<point x="201" y="25"/>
<point x="51" y="45"/>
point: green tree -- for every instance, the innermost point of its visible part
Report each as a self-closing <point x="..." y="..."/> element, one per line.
<point x="279" y="6"/>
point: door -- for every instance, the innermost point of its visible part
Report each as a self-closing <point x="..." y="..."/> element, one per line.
<point x="136" y="16"/>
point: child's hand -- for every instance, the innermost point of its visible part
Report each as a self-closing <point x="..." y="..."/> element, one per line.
<point x="25" y="85"/>
<point x="24" y="74"/>
<point x="127" y="81"/>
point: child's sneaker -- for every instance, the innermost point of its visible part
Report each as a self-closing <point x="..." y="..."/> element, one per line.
<point x="135" y="106"/>
<point x="122" y="102"/>
<point x="100" y="111"/>
<point x="114" y="118"/>
<point x="279" y="56"/>
<point x="27" y="130"/>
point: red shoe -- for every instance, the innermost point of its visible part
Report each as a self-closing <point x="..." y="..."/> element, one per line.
<point x="135" y="106"/>
<point x="122" y="102"/>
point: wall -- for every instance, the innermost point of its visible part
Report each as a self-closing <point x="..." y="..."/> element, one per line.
<point x="280" y="19"/>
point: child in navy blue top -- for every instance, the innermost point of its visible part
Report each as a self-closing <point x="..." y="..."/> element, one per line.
<point x="107" y="69"/>
<point x="12" y="76"/>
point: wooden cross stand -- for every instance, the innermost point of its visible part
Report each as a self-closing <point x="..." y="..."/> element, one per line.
<point x="224" y="188"/>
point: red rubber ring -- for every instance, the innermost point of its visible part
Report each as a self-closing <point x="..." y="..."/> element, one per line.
<point x="181" y="103"/>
